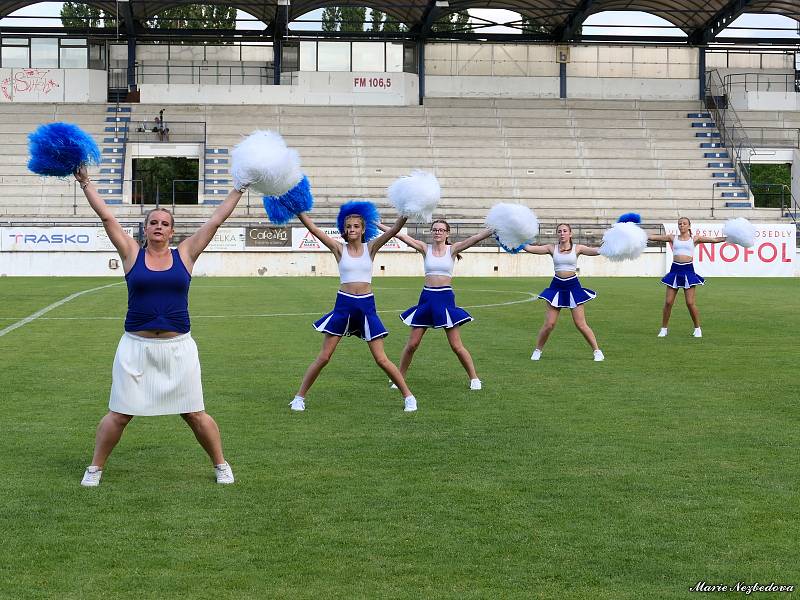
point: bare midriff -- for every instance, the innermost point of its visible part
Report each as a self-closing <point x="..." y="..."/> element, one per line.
<point x="437" y="280"/>
<point x="682" y="259"/>
<point x="156" y="333"/>
<point x="565" y="274"/>
<point x="357" y="288"/>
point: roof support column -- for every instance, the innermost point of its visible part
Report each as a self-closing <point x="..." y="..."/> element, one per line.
<point x="562" y="80"/>
<point x="421" y="70"/>
<point x="701" y="71"/>
<point x="280" y="24"/>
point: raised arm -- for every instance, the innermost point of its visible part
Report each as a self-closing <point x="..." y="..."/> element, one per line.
<point x="392" y="231"/>
<point x="581" y="250"/>
<point x="126" y="246"/>
<point x="543" y="249"/>
<point x="702" y="239"/>
<point x="323" y="237"/>
<point x="191" y="248"/>
<point x="470" y="241"/>
<point x="416" y="244"/>
<point x="659" y="238"/>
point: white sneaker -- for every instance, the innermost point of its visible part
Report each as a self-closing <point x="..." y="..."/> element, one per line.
<point x="697" y="332"/>
<point x="298" y="403"/>
<point x="598" y="356"/>
<point x="475" y="384"/>
<point x="410" y="404"/>
<point x="224" y="473"/>
<point x="537" y="354"/>
<point x="662" y="332"/>
<point x="91" y="477"/>
<point x="392" y="386"/>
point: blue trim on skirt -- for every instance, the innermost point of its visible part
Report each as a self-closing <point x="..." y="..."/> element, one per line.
<point x="353" y="315"/>
<point x="567" y="293"/>
<point x="682" y="275"/>
<point x="436" y="308"/>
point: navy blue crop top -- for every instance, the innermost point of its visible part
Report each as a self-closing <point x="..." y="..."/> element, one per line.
<point x="158" y="299"/>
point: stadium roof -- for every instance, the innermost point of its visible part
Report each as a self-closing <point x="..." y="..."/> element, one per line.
<point x="557" y="20"/>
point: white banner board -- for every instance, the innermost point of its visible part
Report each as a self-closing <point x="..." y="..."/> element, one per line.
<point x="56" y="239"/>
<point x="772" y="255"/>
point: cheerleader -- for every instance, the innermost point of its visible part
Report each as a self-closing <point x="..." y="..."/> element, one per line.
<point x="354" y="312"/>
<point x="437" y="306"/>
<point x="681" y="275"/>
<point x="565" y="290"/>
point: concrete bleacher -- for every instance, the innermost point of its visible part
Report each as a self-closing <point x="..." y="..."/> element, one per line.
<point x="574" y="160"/>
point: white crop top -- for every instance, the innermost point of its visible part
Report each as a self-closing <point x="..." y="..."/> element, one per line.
<point x="438" y="265"/>
<point x="682" y="247"/>
<point x="565" y="261"/>
<point x="355" y="270"/>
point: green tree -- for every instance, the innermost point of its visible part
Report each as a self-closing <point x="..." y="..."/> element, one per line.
<point x="195" y="16"/>
<point x="353" y="18"/>
<point x="344" y="18"/>
<point x="376" y="19"/>
<point x="331" y="17"/>
<point x="457" y="21"/>
<point x="528" y="25"/>
<point x="78" y="14"/>
<point x="767" y="182"/>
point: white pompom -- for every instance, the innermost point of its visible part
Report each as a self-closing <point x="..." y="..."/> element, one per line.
<point x="624" y="241"/>
<point x="740" y="231"/>
<point x="514" y="224"/>
<point x="264" y="162"/>
<point x="416" y="195"/>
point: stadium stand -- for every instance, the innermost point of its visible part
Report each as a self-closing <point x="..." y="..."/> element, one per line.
<point x="580" y="160"/>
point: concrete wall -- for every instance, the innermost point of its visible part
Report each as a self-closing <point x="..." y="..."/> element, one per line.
<point x="320" y="88"/>
<point x="531" y="71"/>
<point x="53" y="85"/>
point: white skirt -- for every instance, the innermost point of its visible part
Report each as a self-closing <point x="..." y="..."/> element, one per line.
<point x="156" y="376"/>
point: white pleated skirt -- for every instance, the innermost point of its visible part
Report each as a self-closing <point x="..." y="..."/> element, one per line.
<point x="156" y="376"/>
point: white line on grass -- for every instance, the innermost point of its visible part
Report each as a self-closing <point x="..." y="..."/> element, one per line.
<point x="47" y="309"/>
<point x="530" y="298"/>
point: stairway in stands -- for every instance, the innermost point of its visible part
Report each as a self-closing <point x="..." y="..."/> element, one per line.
<point x="732" y="189"/>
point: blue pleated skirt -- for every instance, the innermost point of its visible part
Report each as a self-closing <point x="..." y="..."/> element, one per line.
<point x="682" y="275"/>
<point x="436" y="308"/>
<point x="567" y="293"/>
<point x="353" y="315"/>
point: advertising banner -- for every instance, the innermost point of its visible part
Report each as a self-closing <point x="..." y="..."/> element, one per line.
<point x="266" y="238"/>
<point x="772" y="255"/>
<point x="227" y="239"/>
<point x="304" y="240"/>
<point x="56" y="239"/>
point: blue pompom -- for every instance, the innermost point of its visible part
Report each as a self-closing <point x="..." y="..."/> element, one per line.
<point x="59" y="149"/>
<point x="367" y="211"/>
<point x="630" y="218"/>
<point x="281" y="209"/>
<point x="506" y="248"/>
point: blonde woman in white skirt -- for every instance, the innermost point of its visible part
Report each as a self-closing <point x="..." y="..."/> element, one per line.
<point x="156" y="368"/>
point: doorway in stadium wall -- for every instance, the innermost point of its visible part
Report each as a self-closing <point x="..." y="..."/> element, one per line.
<point x="165" y="180"/>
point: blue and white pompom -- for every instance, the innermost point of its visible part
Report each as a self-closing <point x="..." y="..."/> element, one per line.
<point x="366" y="210"/>
<point x="281" y="209"/>
<point x="60" y="149"/>
<point x="266" y="164"/>
<point x="416" y="195"/>
<point x="630" y="217"/>
<point x="514" y="226"/>
<point x="740" y="231"/>
<point x="625" y="240"/>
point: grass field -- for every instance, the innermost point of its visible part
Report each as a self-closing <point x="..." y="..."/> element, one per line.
<point x="674" y="461"/>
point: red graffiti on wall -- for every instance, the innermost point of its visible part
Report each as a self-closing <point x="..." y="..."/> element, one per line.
<point x="27" y="81"/>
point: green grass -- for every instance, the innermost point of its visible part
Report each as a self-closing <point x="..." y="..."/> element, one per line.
<point x="674" y="461"/>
